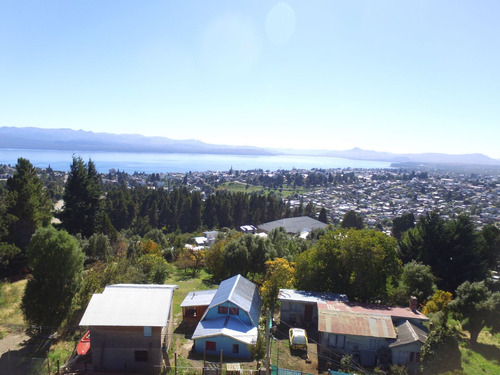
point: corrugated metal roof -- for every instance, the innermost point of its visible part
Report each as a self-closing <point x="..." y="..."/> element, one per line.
<point x="241" y="292"/>
<point x="226" y="326"/>
<point x="393" y="312"/>
<point x="199" y="298"/>
<point x="293" y="224"/>
<point x="130" y="305"/>
<point x="312" y="297"/>
<point x="409" y="333"/>
<point x="356" y="324"/>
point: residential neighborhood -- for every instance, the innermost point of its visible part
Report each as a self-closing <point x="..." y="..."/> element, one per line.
<point x="131" y="327"/>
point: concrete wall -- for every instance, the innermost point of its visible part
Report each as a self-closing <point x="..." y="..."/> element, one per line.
<point x="114" y="348"/>
<point x="226" y="344"/>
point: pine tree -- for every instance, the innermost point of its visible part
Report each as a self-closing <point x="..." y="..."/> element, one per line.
<point x="82" y="205"/>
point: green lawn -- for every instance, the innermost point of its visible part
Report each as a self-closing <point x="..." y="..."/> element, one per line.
<point x="187" y="284"/>
<point x="483" y="358"/>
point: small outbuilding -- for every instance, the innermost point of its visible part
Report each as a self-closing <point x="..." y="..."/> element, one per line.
<point x="300" y="307"/>
<point x="406" y="349"/>
<point x="195" y="304"/>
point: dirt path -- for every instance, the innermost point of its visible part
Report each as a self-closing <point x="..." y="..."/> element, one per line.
<point x="12" y="341"/>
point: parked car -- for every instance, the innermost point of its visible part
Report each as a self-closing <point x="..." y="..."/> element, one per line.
<point x="298" y="338"/>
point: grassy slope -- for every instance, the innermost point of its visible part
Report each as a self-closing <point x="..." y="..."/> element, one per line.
<point x="10" y="306"/>
<point x="483" y="358"/>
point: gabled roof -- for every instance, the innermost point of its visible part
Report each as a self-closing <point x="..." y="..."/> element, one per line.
<point x="241" y="292"/>
<point x="294" y="224"/>
<point x="226" y="326"/>
<point x="130" y="305"/>
<point x="356" y="324"/>
<point x="409" y="333"/>
<point x="199" y="298"/>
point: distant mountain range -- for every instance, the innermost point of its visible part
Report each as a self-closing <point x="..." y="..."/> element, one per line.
<point x="68" y="139"/>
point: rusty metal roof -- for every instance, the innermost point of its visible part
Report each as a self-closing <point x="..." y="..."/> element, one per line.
<point x="391" y="311"/>
<point x="356" y="324"/>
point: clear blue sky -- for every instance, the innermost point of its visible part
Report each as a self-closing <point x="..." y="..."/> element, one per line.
<point x="399" y="76"/>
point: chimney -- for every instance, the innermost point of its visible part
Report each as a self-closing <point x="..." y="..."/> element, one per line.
<point x="413" y="303"/>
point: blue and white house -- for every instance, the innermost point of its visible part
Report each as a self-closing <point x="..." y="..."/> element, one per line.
<point x="231" y="321"/>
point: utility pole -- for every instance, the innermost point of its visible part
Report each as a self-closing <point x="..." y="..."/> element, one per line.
<point x="268" y="343"/>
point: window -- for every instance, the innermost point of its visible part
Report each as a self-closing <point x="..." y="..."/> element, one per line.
<point x="210" y="345"/>
<point x="337" y="341"/>
<point x="148" y="331"/>
<point x="414" y="357"/>
<point x="341" y="341"/>
<point x="191" y="312"/>
<point x="141" y="355"/>
<point x="234" y="311"/>
<point x="373" y="344"/>
<point x="236" y="348"/>
<point x="222" y="310"/>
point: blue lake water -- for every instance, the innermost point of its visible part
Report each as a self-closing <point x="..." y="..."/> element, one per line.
<point x="164" y="162"/>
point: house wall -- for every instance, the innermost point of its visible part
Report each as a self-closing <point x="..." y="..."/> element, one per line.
<point x="363" y="347"/>
<point x="226" y="344"/>
<point x="401" y="355"/>
<point x="213" y="313"/>
<point x="293" y="313"/>
<point x="200" y="310"/>
<point x="114" y="348"/>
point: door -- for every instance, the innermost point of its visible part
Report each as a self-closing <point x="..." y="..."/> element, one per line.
<point x="308" y="313"/>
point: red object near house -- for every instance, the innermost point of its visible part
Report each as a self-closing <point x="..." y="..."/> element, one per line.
<point x="84" y="345"/>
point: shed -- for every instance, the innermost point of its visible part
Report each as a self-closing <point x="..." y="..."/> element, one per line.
<point x="300" y="307"/>
<point x="195" y="304"/>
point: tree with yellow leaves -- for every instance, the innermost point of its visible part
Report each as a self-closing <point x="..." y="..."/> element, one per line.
<point x="279" y="274"/>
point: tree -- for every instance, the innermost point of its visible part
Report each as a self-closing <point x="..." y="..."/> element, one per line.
<point x="401" y="224"/>
<point x="191" y="259"/>
<point x="98" y="247"/>
<point x="56" y="262"/>
<point x="29" y="205"/>
<point x="440" y="352"/>
<point x="236" y="257"/>
<point x="154" y="268"/>
<point x="82" y="199"/>
<point x="439" y="302"/>
<point x="416" y="280"/>
<point x="451" y="248"/>
<point x="352" y="220"/>
<point x="490" y="249"/>
<point x="26" y="207"/>
<point x="476" y="307"/>
<point x="279" y="274"/>
<point x="359" y="263"/>
<point x="322" y="216"/>
<point x="214" y="260"/>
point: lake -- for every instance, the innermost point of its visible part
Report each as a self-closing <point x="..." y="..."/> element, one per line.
<point x="168" y="162"/>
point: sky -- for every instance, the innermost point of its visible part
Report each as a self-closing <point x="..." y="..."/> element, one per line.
<point x="396" y="76"/>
